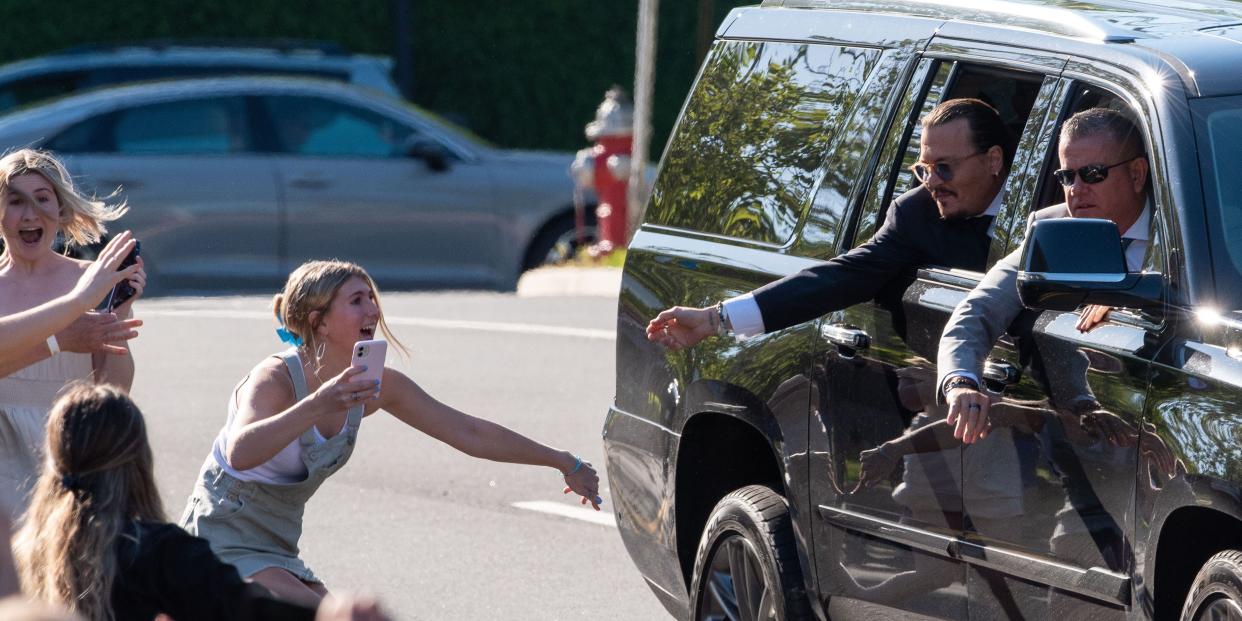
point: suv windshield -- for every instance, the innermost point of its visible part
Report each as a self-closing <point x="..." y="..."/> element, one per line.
<point x="1218" y="123"/>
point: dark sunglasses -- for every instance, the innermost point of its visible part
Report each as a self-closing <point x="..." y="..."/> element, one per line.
<point x="943" y="168"/>
<point x="1091" y="173"/>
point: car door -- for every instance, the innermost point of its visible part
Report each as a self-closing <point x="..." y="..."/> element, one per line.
<point x="1072" y="430"/>
<point x="349" y="191"/>
<point x="201" y="201"/>
<point x="895" y="515"/>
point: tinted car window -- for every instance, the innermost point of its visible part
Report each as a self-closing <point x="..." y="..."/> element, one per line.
<point x="1218" y="121"/>
<point x="322" y="127"/>
<point x="214" y="125"/>
<point x="192" y="126"/>
<point x="40" y="87"/>
<point x="749" y="147"/>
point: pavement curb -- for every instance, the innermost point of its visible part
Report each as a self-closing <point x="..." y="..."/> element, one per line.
<point x="570" y="281"/>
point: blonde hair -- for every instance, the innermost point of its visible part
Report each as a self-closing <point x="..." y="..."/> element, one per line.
<point x="97" y="477"/>
<point x="81" y="218"/>
<point x="312" y="287"/>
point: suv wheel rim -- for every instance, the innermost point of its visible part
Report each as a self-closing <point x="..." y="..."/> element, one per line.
<point x="735" y="588"/>
<point x="1221" y="608"/>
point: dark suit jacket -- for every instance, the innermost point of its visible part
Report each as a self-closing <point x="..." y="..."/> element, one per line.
<point x="913" y="235"/>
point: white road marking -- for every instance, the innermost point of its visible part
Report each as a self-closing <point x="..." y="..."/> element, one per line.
<point x="422" y="322"/>
<point x="585" y="514"/>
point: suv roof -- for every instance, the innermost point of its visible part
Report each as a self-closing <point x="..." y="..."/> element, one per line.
<point x="1190" y="37"/>
<point x="1112" y="20"/>
<point x="29" y="81"/>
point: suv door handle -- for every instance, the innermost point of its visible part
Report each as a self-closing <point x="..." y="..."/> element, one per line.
<point x="846" y="336"/>
<point x="1000" y="374"/>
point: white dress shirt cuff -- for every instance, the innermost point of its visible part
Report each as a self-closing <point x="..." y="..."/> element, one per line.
<point x="743" y="312"/>
<point x="952" y="374"/>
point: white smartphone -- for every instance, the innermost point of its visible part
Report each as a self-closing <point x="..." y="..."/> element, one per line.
<point x="371" y="355"/>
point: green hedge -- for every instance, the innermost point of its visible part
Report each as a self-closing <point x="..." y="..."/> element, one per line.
<point x="525" y="74"/>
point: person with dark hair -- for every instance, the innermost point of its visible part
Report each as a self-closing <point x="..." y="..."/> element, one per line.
<point x="95" y="540"/>
<point x="965" y="154"/>
<point x="1104" y="172"/>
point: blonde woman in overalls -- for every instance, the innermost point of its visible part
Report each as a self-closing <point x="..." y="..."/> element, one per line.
<point x="293" y="421"/>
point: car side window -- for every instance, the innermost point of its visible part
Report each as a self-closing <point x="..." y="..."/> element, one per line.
<point x="193" y="126"/>
<point x="36" y="88"/>
<point x="750" y="146"/>
<point x="314" y="126"/>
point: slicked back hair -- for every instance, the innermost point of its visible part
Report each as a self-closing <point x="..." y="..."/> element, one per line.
<point x="986" y="127"/>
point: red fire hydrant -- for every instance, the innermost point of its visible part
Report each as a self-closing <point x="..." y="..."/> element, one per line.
<point x="612" y="131"/>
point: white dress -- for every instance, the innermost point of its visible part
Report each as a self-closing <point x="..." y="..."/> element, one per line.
<point x="26" y="396"/>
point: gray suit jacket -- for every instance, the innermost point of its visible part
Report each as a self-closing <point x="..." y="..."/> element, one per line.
<point x="985" y="314"/>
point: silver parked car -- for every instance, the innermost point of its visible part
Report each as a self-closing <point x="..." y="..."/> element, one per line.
<point x="235" y="181"/>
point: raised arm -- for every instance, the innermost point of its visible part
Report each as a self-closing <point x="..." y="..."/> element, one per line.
<point x="24" y="331"/>
<point x="268" y="417"/>
<point x="481" y="438"/>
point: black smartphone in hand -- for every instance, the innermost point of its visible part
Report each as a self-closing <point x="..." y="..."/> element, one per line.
<point x="122" y="291"/>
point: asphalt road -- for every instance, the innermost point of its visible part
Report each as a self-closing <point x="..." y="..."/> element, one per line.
<point x="434" y="533"/>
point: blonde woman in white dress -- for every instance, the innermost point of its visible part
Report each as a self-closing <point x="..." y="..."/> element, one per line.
<point x="42" y="293"/>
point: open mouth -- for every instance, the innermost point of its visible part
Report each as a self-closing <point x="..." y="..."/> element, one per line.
<point x="367" y="333"/>
<point x="31" y="236"/>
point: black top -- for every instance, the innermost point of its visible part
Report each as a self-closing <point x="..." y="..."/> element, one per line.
<point x="913" y="235"/>
<point x="165" y="569"/>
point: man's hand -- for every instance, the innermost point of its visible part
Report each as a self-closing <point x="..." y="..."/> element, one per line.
<point x="875" y="465"/>
<point x="98" y="332"/>
<point x="1092" y="316"/>
<point x="968" y="413"/>
<point x="681" y="327"/>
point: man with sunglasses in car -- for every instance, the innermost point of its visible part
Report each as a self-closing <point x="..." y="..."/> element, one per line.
<point x="965" y="152"/>
<point x="1104" y="172"/>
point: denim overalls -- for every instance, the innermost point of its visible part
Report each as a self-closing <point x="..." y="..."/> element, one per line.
<point x="255" y="525"/>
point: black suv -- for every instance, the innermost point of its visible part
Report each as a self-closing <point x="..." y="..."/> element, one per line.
<point x="770" y="477"/>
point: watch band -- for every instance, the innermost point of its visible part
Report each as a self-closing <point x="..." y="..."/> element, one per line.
<point x="959" y="381"/>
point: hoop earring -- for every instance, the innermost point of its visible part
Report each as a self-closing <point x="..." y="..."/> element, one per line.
<point x="319" y="349"/>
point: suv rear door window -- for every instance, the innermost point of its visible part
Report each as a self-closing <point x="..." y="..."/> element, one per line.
<point x="751" y="142"/>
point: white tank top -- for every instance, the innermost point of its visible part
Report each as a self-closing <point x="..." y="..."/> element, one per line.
<point x="283" y="468"/>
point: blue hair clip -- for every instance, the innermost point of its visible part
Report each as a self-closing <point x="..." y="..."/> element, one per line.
<point x="288" y="337"/>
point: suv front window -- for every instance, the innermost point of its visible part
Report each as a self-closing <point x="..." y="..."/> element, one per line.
<point x="1218" y="123"/>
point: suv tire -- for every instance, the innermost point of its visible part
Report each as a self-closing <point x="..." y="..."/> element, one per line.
<point x="1217" y="590"/>
<point x="747" y="562"/>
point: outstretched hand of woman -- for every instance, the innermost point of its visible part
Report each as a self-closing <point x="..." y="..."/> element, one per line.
<point x="102" y="274"/>
<point x="584" y="481"/>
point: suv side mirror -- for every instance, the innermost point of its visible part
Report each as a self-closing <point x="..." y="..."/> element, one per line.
<point x="430" y="151"/>
<point x="1068" y="262"/>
